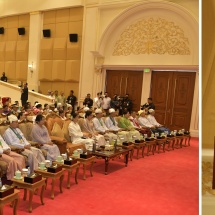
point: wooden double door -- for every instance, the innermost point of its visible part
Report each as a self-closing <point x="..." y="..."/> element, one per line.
<point x="172" y="94"/>
<point x="122" y="82"/>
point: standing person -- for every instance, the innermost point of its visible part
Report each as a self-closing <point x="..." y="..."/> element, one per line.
<point x="128" y="103"/>
<point x="148" y="105"/>
<point x="4" y="78"/>
<point x="61" y="99"/>
<point x="40" y="135"/>
<point x="88" y="102"/>
<point x="106" y="102"/>
<point x="71" y="99"/>
<point x="115" y="102"/>
<point x="98" y="100"/>
<point x="24" y="95"/>
<point x="55" y="98"/>
<point x="14" y="136"/>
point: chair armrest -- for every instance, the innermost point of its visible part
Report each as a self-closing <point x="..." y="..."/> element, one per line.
<point x="35" y="144"/>
<point x="16" y="149"/>
<point x="60" y="140"/>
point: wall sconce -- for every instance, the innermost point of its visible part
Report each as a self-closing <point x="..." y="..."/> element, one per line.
<point x="30" y="66"/>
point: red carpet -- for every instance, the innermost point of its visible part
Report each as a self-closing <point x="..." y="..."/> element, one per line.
<point x="164" y="184"/>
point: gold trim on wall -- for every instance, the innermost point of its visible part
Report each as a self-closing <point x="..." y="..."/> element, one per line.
<point x="152" y="36"/>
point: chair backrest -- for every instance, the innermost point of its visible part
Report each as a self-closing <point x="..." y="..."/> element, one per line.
<point x="3" y="128"/>
<point x="26" y="128"/>
<point x="81" y="123"/>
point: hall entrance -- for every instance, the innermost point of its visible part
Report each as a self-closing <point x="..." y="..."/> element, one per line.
<point x="122" y="82"/>
<point x="172" y="94"/>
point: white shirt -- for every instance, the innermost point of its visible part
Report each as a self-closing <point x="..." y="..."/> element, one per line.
<point x="153" y="121"/>
<point x="3" y="146"/>
<point x="12" y="139"/>
<point x="75" y="131"/>
<point x="110" y="125"/>
<point x="144" y="122"/>
<point x="106" y="103"/>
<point x="100" y="125"/>
<point x="97" y="102"/>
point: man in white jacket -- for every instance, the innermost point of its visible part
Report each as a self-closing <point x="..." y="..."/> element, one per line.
<point x="154" y="122"/>
<point x="14" y="160"/>
<point x="100" y="126"/>
<point x="14" y="136"/>
<point x="112" y="125"/>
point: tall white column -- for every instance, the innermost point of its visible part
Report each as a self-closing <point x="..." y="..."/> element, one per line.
<point x="35" y="31"/>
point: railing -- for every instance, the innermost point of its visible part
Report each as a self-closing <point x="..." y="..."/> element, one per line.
<point x="14" y="92"/>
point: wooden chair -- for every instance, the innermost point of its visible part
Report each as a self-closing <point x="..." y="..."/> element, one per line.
<point x="61" y="137"/>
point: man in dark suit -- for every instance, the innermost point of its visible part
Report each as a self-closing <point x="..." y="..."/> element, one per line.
<point x="88" y="102"/>
<point x="4" y="78"/>
<point x="71" y="99"/>
<point x="24" y="95"/>
<point x="148" y="105"/>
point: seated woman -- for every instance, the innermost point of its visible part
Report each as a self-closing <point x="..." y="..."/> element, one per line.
<point x="40" y="134"/>
<point x="14" y="161"/>
<point x="154" y="122"/>
<point x="77" y="136"/>
<point x="89" y="128"/>
<point x="125" y="123"/>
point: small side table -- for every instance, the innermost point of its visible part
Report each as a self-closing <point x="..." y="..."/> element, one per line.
<point x="151" y="145"/>
<point x="53" y="176"/>
<point x="187" y="138"/>
<point x="179" y="141"/>
<point x="161" y="144"/>
<point x="14" y="197"/>
<point x="139" y="146"/>
<point x="88" y="161"/>
<point x="32" y="188"/>
<point x="69" y="168"/>
<point x="131" y="147"/>
<point x="170" y="141"/>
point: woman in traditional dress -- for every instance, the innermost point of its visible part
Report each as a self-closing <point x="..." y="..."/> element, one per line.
<point x="40" y="134"/>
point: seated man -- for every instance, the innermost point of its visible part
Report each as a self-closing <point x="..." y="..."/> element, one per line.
<point x="144" y="122"/>
<point x="77" y="136"/>
<point x="40" y="135"/>
<point x="14" y="160"/>
<point x="154" y="122"/>
<point x="112" y="125"/>
<point x="134" y="121"/>
<point x="101" y="127"/>
<point x="125" y="123"/>
<point x="13" y="136"/>
<point x="89" y="128"/>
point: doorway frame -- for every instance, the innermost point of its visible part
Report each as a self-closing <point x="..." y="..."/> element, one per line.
<point x="194" y="122"/>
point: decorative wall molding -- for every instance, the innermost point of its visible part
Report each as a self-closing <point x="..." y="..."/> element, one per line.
<point x="152" y="36"/>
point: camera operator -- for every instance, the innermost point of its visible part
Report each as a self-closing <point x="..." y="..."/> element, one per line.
<point x="115" y="102"/>
<point x="88" y="102"/>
